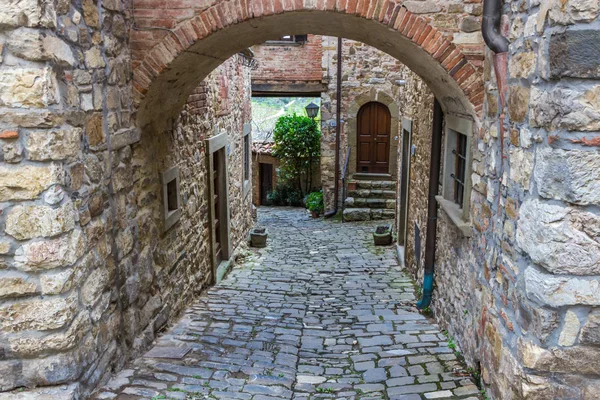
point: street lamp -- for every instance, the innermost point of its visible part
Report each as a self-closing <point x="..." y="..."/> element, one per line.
<point x="312" y="110"/>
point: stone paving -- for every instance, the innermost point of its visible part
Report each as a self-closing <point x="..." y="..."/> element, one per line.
<point x="319" y="314"/>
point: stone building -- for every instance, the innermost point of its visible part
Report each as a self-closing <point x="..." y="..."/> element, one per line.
<point x="93" y="115"/>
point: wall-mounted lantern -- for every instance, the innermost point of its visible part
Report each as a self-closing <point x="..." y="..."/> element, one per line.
<point x="312" y="110"/>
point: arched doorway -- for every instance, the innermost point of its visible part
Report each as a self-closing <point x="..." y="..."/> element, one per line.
<point x="373" y="138"/>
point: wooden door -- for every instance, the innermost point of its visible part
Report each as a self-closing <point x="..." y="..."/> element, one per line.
<point x="373" y="133"/>
<point x="217" y="205"/>
<point x="266" y="181"/>
<point x="402" y="206"/>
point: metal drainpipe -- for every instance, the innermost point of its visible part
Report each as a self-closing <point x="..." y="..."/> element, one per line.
<point x="434" y="182"/>
<point x="491" y="31"/>
<point x="338" y="129"/>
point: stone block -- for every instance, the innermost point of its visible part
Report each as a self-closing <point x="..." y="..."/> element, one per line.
<point x="575" y="54"/>
<point x="48" y="254"/>
<point x="566" y="107"/>
<point x="53" y="144"/>
<point x="94" y="285"/>
<point x="590" y="332"/>
<point x="27" y="13"/>
<point x="518" y="103"/>
<point x="37" y="45"/>
<point x="27" y="222"/>
<point x="57" y="282"/>
<point x="420" y="7"/>
<point x="25" y="182"/>
<point x="522" y="65"/>
<point x="16" y="286"/>
<point x="357" y="214"/>
<point x="28" y="87"/>
<point x="521" y="166"/>
<point x="62" y="392"/>
<point x="28" y="345"/>
<point x="568" y="12"/>
<point x="560" y="290"/>
<point x="570" y="330"/>
<point x="94" y="59"/>
<point x="563" y="240"/>
<point x="38" y="314"/>
<point x="562" y="360"/>
<point x="568" y="175"/>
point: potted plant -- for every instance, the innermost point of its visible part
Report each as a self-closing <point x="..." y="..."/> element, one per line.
<point x="314" y="203"/>
<point x="258" y="237"/>
<point x="382" y="235"/>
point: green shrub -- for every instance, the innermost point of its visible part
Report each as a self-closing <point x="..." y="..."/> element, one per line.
<point x="285" y="194"/>
<point x="314" y="202"/>
<point x="297" y="146"/>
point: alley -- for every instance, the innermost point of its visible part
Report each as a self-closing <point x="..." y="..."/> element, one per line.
<point x="319" y="313"/>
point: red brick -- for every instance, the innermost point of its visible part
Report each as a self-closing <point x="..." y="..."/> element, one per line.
<point x="409" y="24"/>
<point x="9" y="135"/>
<point x="400" y="18"/>
<point x="424" y="34"/>
<point x="351" y="9"/>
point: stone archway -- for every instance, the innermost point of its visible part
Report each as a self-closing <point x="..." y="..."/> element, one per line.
<point x="169" y="68"/>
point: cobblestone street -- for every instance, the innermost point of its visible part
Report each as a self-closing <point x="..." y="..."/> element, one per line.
<point x="319" y="313"/>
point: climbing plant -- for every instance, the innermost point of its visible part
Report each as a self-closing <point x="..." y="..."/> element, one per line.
<point x="298" y="147"/>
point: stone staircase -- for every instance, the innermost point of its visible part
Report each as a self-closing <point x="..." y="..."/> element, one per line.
<point x="368" y="199"/>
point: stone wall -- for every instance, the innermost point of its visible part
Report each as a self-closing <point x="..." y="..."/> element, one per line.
<point x="521" y="295"/>
<point x="417" y="102"/>
<point x="88" y="276"/>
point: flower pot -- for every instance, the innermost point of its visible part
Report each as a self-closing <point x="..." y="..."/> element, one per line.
<point x="382" y="235"/>
<point x="314" y="214"/>
<point x="258" y="237"/>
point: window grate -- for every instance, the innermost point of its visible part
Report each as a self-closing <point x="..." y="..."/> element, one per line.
<point x="460" y="168"/>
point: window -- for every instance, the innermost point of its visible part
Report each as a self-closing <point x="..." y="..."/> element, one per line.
<point x="171" y="197"/>
<point x="247" y="140"/>
<point x="287" y="39"/>
<point x="460" y="168"/>
<point x="456" y="178"/>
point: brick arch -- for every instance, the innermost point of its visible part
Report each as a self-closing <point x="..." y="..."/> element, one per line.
<point x="169" y="69"/>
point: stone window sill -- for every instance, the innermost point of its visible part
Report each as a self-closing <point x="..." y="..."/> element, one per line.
<point x="283" y="43"/>
<point x="455" y="214"/>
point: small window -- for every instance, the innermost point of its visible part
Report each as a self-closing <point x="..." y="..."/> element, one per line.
<point x="171" y="197"/>
<point x="460" y="168"/>
<point x="299" y="39"/>
<point x="456" y="178"/>
<point x="247" y="140"/>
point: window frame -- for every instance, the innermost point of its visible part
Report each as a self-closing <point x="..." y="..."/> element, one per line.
<point x="170" y="216"/>
<point x="457" y="129"/>
<point x="295" y="40"/>
<point x="247" y="157"/>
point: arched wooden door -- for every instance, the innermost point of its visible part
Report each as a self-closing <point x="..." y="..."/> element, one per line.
<point x="373" y="139"/>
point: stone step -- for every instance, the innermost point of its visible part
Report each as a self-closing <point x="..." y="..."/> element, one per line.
<point x="353" y="202"/>
<point x="368" y="184"/>
<point x="367" y="214"/>
<point x="373" y="193"/>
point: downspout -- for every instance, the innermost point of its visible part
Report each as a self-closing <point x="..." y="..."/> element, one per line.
<point x="434" y="182"/>
<point x="338" y="130"/>
<point x="492" y="35"/>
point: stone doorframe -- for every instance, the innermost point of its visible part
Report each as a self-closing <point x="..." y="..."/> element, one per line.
<point x="216" y="146"/>
<point x="352" y="127"/>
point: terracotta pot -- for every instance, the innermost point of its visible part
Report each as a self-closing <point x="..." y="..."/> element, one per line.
<point x="314" y="214"/>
